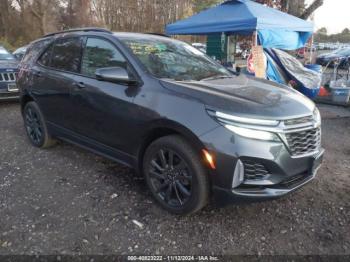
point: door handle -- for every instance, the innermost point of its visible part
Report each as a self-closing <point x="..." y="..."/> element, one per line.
<point x="79" y="85"/>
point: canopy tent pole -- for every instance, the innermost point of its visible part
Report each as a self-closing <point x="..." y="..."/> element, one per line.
<point x="311" y="49"/>
<point x="256" y="38"/>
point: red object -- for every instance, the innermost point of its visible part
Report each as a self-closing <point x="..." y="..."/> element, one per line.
<point x="250" y="64"/>
<point x="323" y="92"/>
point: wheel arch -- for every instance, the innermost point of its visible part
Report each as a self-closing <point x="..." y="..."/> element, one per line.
<point x="25" y="98"/>
<point x="161" y="129"/>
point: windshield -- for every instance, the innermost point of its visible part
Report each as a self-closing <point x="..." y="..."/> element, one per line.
<point x="344" y="52"/>
<point x="4" y="55"/>
<point x="166" y="58"/>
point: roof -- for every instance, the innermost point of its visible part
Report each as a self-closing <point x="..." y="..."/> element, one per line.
<point x="238" y="16"/>
<point x="84" y="29"/>
<point x="138" y="36"/>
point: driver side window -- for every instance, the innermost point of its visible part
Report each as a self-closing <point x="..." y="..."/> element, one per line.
<point x="100" y="53"/>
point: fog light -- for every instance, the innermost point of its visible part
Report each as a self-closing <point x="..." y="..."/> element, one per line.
<point x="238" y="176"/>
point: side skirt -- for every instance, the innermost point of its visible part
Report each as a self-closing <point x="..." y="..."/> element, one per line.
<point x="92" y="145"/>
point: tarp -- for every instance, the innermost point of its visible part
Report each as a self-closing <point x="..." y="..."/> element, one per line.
<point x="245" y="17"/>
<point x="283" y="39"/>
<point x="296" y="70"/>
<point x="273" y="73"/>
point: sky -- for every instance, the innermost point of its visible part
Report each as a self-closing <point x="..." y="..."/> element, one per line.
<point x="334" y="15"/>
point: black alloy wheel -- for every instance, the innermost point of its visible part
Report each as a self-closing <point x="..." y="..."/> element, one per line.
<point x="170" y="177"/>
<point x="35" y="126"/>
<point x="176" y="175"/>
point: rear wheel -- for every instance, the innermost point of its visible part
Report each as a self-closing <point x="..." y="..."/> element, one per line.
<point x="36" y="127"/>
<point x="175" y="175"/>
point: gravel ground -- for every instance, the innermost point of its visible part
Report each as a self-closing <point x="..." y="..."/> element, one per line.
<point x="68" y="201"/>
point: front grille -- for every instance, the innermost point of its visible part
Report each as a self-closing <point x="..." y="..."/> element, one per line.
<point x="304" y="142"/>
<point x="254" y="171"/>
<point x="8" y="77"/>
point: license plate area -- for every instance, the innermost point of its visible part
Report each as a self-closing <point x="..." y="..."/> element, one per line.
<point x="12" y="88"/>
<point x="317" y="162"/>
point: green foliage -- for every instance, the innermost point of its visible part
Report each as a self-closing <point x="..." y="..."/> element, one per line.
<point x="200" y="5"/>
<point x="343" y="37"/>
<point x="322" y="31"/>
<point x="5" y="43"/>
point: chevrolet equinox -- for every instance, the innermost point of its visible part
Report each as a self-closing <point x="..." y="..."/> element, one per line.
<point x="195" y="130"/>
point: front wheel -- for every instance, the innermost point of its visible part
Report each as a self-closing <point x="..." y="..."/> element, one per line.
<point x="175" y="175"/>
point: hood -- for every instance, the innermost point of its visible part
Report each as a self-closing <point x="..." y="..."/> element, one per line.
<point x="246" y="96"/>
<point x="8" y="64"/>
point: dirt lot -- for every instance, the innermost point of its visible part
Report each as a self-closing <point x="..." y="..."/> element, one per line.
<point x="67" y="201"/>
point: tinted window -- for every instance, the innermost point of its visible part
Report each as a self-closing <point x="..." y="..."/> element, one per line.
<point x="67" y="54"/>
<point x="167" y="58"/>
<point x="46" y="57"/>
<point x="100" y="54"/>
<point x="34" y="50"/>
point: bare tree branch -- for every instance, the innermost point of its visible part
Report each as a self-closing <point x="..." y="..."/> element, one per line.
<point x="311" y="9"/>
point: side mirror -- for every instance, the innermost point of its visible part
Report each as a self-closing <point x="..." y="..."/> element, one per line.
<point x="115" y="75"/>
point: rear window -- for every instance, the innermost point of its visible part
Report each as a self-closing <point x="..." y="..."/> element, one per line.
<point x="45" y="58"/>
<point x="67" y="54"/>
<point x="34" y="50"/>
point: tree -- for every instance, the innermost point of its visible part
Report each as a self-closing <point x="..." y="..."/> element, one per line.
<point x="78" y="13"/>
<point x="346" y="31"/>
<point x="311" y="9"/>
<point x="200" y="5"/>
<point x="297" y="8"/>
<point x="22" y="21"/>
<point x="40" y="10"/>
<point x="322" y="31"/>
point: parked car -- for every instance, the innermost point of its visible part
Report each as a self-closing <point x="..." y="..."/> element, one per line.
<point x="8" y="75"/>
<point x="194" y="130"/>
<point x="332" y="57"/>
<point x="19" y="53"/>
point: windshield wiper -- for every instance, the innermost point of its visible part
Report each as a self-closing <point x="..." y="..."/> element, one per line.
<point x="216" y="77"/>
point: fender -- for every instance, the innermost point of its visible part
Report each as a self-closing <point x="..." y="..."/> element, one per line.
<point x="164" y="127"/>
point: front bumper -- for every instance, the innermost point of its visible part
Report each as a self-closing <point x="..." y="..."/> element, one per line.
<point x="5" y="94"/>
<point x="285" y="173"/>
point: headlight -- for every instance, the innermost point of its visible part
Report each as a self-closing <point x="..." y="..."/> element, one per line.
<point x="248" y="127"/>
<point x="317" y="116"/>
<point x="253" y="134"/>
<point x="244" y="120"/>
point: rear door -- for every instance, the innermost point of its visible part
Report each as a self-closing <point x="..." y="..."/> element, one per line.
<point x="55" y="77"/>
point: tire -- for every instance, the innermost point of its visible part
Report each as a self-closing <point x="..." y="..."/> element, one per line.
<point x="35" y="126"/>
<point x="176" y="176"/>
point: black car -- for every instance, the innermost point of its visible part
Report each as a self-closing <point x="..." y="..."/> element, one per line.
<point x="8" y="75"/>
<point x="341" y="56"/>
<point x="193" y="129"/>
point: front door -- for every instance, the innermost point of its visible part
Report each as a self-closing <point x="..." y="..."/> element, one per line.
<point x="102" y="110"/>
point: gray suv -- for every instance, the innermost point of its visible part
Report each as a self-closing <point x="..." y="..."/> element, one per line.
<point x="194" y="130"/>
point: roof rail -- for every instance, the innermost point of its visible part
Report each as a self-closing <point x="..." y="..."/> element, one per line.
<point x="85" y="29"/>
<point x="158" y="34"/>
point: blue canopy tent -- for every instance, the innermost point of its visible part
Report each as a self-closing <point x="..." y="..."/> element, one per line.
<point x="275" y="29"/>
